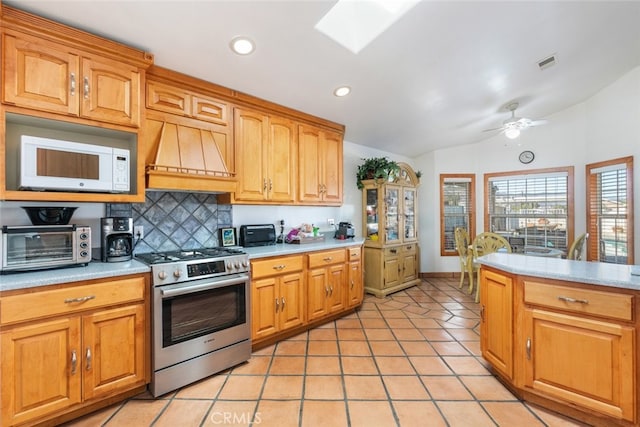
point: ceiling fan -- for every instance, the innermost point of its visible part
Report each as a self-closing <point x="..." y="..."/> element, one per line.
<point x="513" y="125"/>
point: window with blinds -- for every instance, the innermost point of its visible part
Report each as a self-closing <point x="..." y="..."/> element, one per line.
<point x="536" y="207"/>
<point x="457" y="195"/>
<point x="610" y="211"/>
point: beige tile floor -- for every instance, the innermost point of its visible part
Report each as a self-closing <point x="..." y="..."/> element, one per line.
<point x="411" y="359"/>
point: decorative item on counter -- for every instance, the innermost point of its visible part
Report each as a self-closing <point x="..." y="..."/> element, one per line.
<point x="306" y="233"/>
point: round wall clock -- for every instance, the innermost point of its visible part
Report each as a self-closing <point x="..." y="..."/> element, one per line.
<point x="526" y="157"/>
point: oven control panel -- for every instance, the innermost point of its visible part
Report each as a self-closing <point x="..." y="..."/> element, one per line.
<point x="183" y="271"/>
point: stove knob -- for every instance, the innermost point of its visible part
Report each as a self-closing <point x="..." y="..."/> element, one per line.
<point x="162" y="275"/>
<point x="228" y="265"/>
<point x="237" y="264"/>
<point x="177" y="274"/>
<point x="245" y="264"/>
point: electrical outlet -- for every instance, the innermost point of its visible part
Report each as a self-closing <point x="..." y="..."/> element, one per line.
<point x="138" y="232"/>
<point x="331" y="222"/>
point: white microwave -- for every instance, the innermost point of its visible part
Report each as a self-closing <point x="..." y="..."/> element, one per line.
<point x="49" y="164"/>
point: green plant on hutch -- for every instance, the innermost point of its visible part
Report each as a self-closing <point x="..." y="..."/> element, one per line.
<point x="376" y="168"/>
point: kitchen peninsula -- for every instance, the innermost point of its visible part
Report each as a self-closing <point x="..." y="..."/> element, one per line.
<point x="563" y="334"/>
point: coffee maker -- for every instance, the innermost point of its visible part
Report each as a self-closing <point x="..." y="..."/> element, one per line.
<point x="116" y="239"/>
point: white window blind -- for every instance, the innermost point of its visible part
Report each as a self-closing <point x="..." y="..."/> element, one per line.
<point x="609" y="213"/>
<point x="533" y="206"/>
<point x="457" y="210"/>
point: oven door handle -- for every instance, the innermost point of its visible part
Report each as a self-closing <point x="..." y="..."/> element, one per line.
<point x="191" y="288"/>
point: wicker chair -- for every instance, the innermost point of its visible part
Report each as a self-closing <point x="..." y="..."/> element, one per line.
<point x="575" y="250"/>
<point x="483" y="244"/>
<point x="466" y="255"/>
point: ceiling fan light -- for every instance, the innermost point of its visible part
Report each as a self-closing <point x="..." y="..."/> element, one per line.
<point x="512" y="133"/>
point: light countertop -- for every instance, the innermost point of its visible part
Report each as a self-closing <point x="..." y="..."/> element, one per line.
<point x="93" y="270"/>
<point x="280" y="249"/>
<point x="594" y="273"/>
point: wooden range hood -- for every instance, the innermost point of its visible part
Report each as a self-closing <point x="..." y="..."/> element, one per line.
<point x="186" y="159"/>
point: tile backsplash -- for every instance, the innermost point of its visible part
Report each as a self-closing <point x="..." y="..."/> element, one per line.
<point x="176" y="220"/>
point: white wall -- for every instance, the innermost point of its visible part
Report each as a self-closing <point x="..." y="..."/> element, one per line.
<point x="603" y="127"/>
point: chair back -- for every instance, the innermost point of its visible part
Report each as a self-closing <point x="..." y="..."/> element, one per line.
<point x="575" y="251"/>
<point x="486" y="243"/>
<point x="462" y="242"/>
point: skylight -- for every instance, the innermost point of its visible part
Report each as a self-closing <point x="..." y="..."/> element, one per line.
<point x="356" y="23"/>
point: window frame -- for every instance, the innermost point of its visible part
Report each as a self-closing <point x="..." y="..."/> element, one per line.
<point x="569" y="170"/>
<point x="592" y="229"/>
<point x="467" y="178"/>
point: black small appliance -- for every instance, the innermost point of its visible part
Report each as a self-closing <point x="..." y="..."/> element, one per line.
<point x="257" y="235"/>
<point x="116" y="239"/>
<point x="345" y="231"/>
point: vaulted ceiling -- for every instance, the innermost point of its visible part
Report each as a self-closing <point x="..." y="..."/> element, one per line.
<point x="438" y="77"/>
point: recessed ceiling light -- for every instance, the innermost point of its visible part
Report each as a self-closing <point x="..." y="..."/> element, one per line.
<point x="342" y="91"/>
<point x="242" y="45"/>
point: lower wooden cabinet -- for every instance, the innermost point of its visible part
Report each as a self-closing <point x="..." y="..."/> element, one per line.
<point x="277" y="295"/>
<point x="569" y="345"/>
<point x="390" y="269"/>
<point x="496" y="327"/>
<point x="292" y="293"/>
<point x="94" y="347"/>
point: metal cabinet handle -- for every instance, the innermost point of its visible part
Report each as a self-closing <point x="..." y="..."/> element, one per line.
<point x="74" y="362"/>
<point x="352" y="284"/>
<point x="264" y="184"/>
<point x="270" y="184"/>
<point x="482" y="313"/>
<point x="528" y="348"/>
<point x="393" y="251"/>
<point x="569" y="299"/>
<point x="279" y="267"/>
<point x="330" y="290"/>
<point x="88" y="356"/>
<point x="72" y="84"/>
<point x="283" y="302"/>
<point x="326" y="291"/>
<point x="277" y="302"/>
<point x="86" y="88"/>
<point x="81" y="299"/>
<point x="327" y="259"/>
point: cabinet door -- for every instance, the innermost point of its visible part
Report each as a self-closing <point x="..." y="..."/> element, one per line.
<point x="291" y="301"/>
<point x="496" y="305"/>
<point x="41" y="369"/>
<point x="251" y="133"/>
<point x="113" y="350"/>
<point x="582" y="361"/>
<point x="110" y="91"/>
<point x="392" y="229"/>
<point x="355" y="283"/>
<point x="264" y="296"/>
<point x="317" y="293"/>
<point x="392" y="269"/>
<point x="337" y="280"/>
<point x="310" y="169"/>
<point x="409" y="215"/>
<point x="281" y="160"/>
<point x="41" y="75"/>
<point x="409" y="267"/>
<point x="331" y="154"/>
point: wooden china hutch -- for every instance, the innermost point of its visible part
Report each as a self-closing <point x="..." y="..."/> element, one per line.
<point x="391" y="253"/>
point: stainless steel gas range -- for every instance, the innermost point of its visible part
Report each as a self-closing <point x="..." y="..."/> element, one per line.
<point x="200" y="308"/>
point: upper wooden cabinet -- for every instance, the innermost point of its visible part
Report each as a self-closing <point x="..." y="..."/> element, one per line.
<point x="320" y="166"/>
<point x="181" y="101"/>
<point x="53" y="77"/>
<point x="266" y="150"/>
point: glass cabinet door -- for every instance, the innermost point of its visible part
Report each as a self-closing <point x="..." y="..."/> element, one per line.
<point x="409" y="209"/>
<point x="392" y="213"/>
<point x="372" y="214"/>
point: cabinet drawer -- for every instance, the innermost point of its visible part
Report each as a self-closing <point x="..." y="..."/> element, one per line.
<point x="45" y="303"/>
<point x="320" y="259"/>
<point x="597" y="303"/>
<point x="273" y="266"/>
<point x="354" y="253"/>
<point x="168" y="99"/>
<point x="409" y="249"/>
<point x="391" y="252"/>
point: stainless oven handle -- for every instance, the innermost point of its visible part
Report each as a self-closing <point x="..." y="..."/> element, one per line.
<point x="191" y="288"/>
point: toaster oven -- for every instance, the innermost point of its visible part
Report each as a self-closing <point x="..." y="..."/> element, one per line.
<point x="257" y="235"/>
